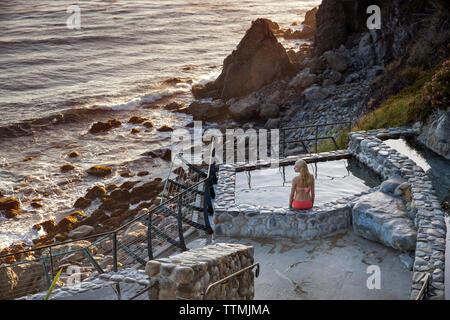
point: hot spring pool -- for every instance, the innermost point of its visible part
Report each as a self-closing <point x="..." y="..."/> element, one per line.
<point x="334" y="180"/>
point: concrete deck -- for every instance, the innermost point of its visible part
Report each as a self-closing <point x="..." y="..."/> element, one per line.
<point x="334" y="267"/>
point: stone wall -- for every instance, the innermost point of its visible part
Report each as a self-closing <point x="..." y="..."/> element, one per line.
<point x="428" y="216"/>
<point x="255" y="221"/>
<point x="187" y="275"/>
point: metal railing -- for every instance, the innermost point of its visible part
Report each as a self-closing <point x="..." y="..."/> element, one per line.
<point x="231" y="276"/>
<point x="423" y="291"/>
<point x="130" y="245"/>
<point x="310" y="133"/>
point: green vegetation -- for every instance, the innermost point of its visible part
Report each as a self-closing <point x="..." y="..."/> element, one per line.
<point x="50" y="290"/>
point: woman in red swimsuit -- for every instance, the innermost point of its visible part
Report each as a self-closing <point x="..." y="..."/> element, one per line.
<point x="302" y="192"/>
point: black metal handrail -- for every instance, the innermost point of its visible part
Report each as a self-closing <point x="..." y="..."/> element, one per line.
<point x="235" y="274"/>
<point x="176" y="201"/>
<point x="316" y="137"/>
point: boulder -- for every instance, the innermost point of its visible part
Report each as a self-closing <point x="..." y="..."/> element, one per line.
<point x="208" y="110"/>
<point x="74" y="154"/>
<point x="269" y="111"/>
<point x="137" y="120"/>
<point x="335" y="76"/>
<point x="165" y="128"/>
<point x="120" y="195"/>
<point x="336" y="61"/>
<point x="258" y="60"/>
<point x="11" y="213"/>
<point x="82" y="203"/>
<point x="99" y="171"/>
<point x="95" y="192"/>
<point x="165" y="154"/>
<point x="316" y="93"/>
<point x="9" y="203"/>
<point x="201" y="91"/>
<point x="273" y="123"/>
<point x="303" y="79"/>
<point x="389" y="186"/>
<point x="81" y="231"/>
<point x="246" y="108"/>
<point x="66" y="224"/>
<point x="105" y="126"/>
<point x="436" y="135"/>
<point x="382" y="218"/>
<point x="174" y="106"/>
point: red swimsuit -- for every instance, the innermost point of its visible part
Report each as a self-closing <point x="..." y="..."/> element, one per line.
<point x="302" y="204"/>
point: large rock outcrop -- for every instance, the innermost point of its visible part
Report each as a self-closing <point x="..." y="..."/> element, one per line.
<point x="436" y="135"/>
<point x="383" y="218"/>
<point x="258" y="60"/>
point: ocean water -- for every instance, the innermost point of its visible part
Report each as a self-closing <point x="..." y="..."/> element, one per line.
<point x="55" y="82"/>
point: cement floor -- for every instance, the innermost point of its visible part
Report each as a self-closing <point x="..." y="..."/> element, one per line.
<point x="330" y="268"/>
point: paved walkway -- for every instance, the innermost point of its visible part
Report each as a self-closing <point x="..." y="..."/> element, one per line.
<point x="331" y="268"/>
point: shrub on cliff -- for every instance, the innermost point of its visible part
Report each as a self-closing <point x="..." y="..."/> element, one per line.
<point x="437" y="91"/>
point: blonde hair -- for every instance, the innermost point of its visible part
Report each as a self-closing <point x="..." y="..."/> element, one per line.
<point x="305" y="176"/>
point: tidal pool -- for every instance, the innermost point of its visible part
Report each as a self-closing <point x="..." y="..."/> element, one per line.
<point x="334" y="180"/>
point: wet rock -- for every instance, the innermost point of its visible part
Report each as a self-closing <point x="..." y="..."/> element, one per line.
<point x="67" y="167"/>
<point x="95" y="192"/>
<point x="135" y="131"/>
<point x="201" y="91"/>
<point x="120" y="195"/>
<point x="66" y="224"/>
<point x="11" y="213"/>
<point x="245" y="108"/>
<point x="48" y="226"/>
<point x="148" y="124"/>
<point x="100" y="171"/>
<point x="74" y="154"/>
<point x="382" y="218"/>
<point x="258" y="60"/>
<point x="148" y="190"/>
<point x="36" y="204"/>
<point x="110" y="204"/>
<point x="143" y="173"/>
<point x="174" y="106"/>
<point x="310" y="18"/>
<point x="98" y="216"/>
<point x="27" y="159"/>
<point x="105" y="126"/>
<point x="126" y="174"/>
<point x="128" y="184"/>
<point x="6" y="260"/>
<point x="165" y="128"/>
<point x="9" y="203"/>
<point x="43" y="240"/>
<point x="208" y="110"/>
<point x="78" y="215"/>
<point x="81" y="231"/>
<point x="165" y="154"/>
<point x="110" y="187"/>
<point x="82" y="203"/>
<point x="61" y="237"/>
<point x="137" y="120"/>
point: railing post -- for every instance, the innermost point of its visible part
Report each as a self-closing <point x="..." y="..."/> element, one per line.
<point x="114" y="249"/>
<point x="180" y="224"/>
<point x="51" y="263"/>
<point x="317" y="136"/>
<point x="206" y="207"/>
<point x="283" y="135"/>
<point x="149" y="237"/>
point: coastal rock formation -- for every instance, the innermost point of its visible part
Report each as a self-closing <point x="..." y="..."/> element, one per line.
<point x="99" y="171"/>
<point x="105" y="126"/>
<point x="9" y="203"/>
<point x="258" y="60"/>
<point x="436" y="135"/>
<point x="382" y="218"/>
<point x="245" y="108"/>
<point x="303" y="79"/>
<point x="208" y="110"/>
<point x="331" y="28"/>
